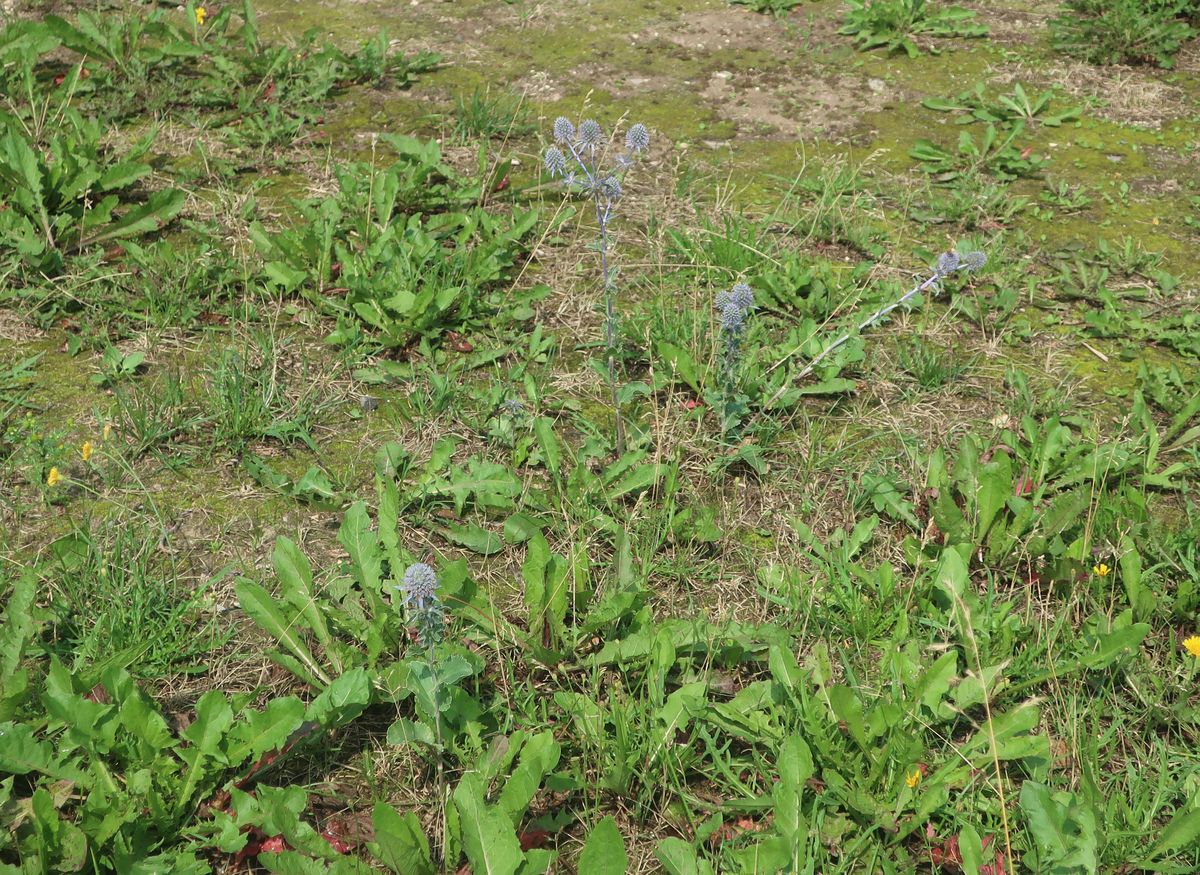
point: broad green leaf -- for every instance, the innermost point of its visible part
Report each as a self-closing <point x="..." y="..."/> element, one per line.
<point x="795" y="765"/>
<point x="343" y="700"/>
<point x="400" y="844"/>
<point x="156" y="213"/>
<point x="680" y="858"/>
<point x="995" y="486"/>
<point x="970" y="847"/>
<point x="296" y="584"/>
<point x="266" y="612"/>
<point x="551" y="452"/>
<point x="604" y="851"/>
<point x="1182" y="832"/>
<point x="682" y="363"/>
<point x="475" y="538"/>
<point x="538" y="758"/>
<point x="488" y="836"/>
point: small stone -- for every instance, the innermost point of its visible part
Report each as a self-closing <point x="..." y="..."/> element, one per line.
<point x="723" y="74"/>
<point x="876" y="85"/>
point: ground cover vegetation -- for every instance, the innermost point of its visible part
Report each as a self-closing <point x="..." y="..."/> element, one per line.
<point x="719" y="442"/>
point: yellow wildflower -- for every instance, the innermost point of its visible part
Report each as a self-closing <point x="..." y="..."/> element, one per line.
<point x="201" y="14"/>
<point x="53" y="478"/>
<point x="1101" y="570"/>
<point x="914" y="779"/>
<point x="1192" y="645"/>
<point x="86" y="450"/>
<point x="107" y="431"/>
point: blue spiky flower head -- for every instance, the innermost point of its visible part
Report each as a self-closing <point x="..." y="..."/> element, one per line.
<point x="419" y="588"/>
<point x="419" y="585"/>
<point x="742" y="295"/>
<point x="973" y="261"/>
<point x="947" y="263"/>
<point x="637" y="138"/>
<point x="564" y="131"/>
<point x="733" y="317"/>
<point x="610" y="188"/>
<point x="555" y="161"/>
<point x="591" y="134"/>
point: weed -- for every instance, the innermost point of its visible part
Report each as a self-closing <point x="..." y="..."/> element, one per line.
<point x="892" y="24"/>
<point x="772" y="7"/>
<point x="482" y="115"/>
<point x="604" y="186"/>
<point x="1124" y="31"/>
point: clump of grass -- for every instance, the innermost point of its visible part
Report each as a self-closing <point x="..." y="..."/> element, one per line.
<point x="485" y="115"/>
<point x="930" y="366"/>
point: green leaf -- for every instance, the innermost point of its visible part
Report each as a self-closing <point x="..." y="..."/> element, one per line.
<point x="604" y="851"/>
<point x="343" y="700"/>
<point x="268" y="730"/>
<point x="682" y="363"/>
<point x="795" y="764"/>
<point x="475" y="538"/>
<point x="543" y="427"/>
<point x="1182" y="832"/>
<point x="995" y="486"/>
<point x="295" y="579"/>
<point x="539" y="757"/>
<point x="159" y="209"/>
<point x="266" y="612"/>
<point x="400" y="844"/>
<point x="970" y="847"/>
<point x="679" y="858"/>
<point x="20" y="752"/>
<point x="488" y="836"/>
<point x="640" y="478"/>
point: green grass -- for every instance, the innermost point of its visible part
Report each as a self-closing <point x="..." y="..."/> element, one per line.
<point x="923" y="607"/>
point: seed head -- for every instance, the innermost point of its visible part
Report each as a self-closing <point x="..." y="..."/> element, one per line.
<point x="637" y="138"/>
<point x="555" y="161"/>
<point x="564" y="131"/>
<point x="591" y="134"/>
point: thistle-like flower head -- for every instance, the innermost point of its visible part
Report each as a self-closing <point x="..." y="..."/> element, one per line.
<point x="555" y="161"/>
<point x="610" y="188"/>
<point x="419" y="586"/>
<point x="743" y="296"/>
<point x="973" y="261"/>
<point x="947" y="263"/>
<point x="564" y="131"/>
<point x="733" y="317"/>
<point x="637" y="138"/>
<point x="591" y="134"/>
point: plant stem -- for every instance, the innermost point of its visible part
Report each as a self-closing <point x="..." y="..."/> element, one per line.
<point x="610" y="321"/>
<point x="866" y="323"/>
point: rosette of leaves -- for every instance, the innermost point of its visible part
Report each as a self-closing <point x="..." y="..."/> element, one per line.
<point x="67" y="195"/>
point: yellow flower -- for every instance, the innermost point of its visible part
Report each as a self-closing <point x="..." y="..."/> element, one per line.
<point x="1192" y="645"/>
<point x="53" y="478"/>
<point x="1101" y="570"/>
<point x="201" y="14"/>
<point x="107" y="431"/>
<point x="86" y="450"/>
<point x="914" y="779"/>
